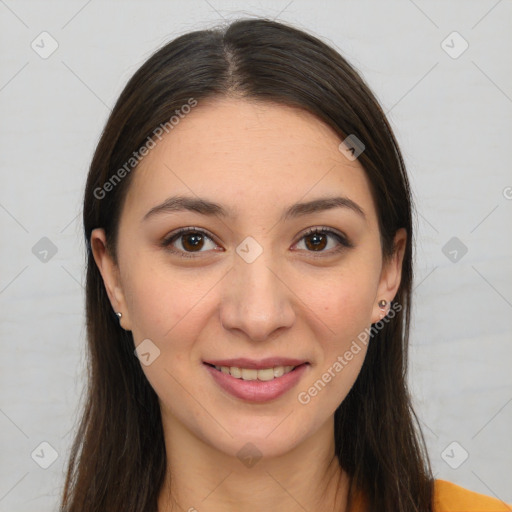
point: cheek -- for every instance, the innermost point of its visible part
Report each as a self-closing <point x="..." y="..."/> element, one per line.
<point x="350" y="311"/>
<point x="168" y="308"/>
<point x="346" y="308"/>
<point x="343" y="301"/>
<point x="160" y="302"/>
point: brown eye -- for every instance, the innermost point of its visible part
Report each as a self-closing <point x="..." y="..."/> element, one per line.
<point x="191" y="240"/>
<point x="317" y="240"/>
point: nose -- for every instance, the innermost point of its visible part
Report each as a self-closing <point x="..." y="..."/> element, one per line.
<point x="257" y="300"/>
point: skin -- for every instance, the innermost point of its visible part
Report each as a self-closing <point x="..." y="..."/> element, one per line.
<point x="256" y="159"/>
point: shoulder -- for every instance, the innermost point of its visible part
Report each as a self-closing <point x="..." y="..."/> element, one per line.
<point x="449" y="497"/>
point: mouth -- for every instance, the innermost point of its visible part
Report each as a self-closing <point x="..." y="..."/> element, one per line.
<point x="261" y="374"/>
<point x="256" y="384"/>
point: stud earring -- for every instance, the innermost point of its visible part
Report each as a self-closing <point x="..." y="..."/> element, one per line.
<point x="119" y="315"/>
<point x="382" y="304"/>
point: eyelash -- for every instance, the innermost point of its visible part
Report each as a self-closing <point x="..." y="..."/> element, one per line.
<point x="344" y="243"/>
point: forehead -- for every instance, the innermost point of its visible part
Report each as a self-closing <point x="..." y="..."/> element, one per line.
<point x="243" y="153"/>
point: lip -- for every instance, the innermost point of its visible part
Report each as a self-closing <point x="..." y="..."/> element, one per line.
<point x="256" y="390"/>
<point x="253" y="364"/>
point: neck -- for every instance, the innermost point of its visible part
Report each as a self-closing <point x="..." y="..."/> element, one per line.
<point x="200" y="477"/>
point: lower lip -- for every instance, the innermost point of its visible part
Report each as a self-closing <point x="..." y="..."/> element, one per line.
<point x="257" y="390"/>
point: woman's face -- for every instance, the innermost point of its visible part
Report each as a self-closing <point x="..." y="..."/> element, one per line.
<point x="249" y="282"/>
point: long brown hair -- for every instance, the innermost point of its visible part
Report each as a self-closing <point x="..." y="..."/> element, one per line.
<point x="118" y="461"/>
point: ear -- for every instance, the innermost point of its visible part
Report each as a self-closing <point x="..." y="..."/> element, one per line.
<point x="390" y="276"/>
<point x="110" y="274"/>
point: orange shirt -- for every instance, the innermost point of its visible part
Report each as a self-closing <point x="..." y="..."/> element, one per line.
<point x="449" y="497"/>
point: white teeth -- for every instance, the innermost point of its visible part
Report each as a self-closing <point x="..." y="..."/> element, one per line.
<point x="252" y="374"/>
<point x="278" y="371"/>
<point x="248" y="374"/>
<point x="235" y="372"/>
<point x="267" y="374"/>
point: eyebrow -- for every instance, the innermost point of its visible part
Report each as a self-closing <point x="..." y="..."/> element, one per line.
<point x="209" y="208"/>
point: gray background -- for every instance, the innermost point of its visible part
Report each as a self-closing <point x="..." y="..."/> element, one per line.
<point x="452" y="117"/>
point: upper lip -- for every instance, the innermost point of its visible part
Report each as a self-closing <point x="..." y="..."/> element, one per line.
<point x="268" y="362"/>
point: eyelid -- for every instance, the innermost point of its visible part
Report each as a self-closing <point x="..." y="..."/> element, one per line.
<point x="328" y="231"/>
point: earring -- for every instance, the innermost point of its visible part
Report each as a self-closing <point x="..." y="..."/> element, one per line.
<point x="382" y="304"/>
<point x="119" y="315"/>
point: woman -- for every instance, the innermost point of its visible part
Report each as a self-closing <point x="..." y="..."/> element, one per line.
<point x="248" y="221"/>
